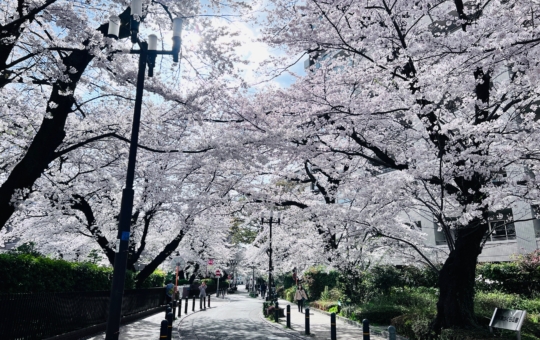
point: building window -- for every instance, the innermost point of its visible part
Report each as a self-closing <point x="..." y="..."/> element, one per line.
<point x="501" y="231"/>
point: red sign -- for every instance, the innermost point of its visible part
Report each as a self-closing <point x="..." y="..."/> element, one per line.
<point x="218" y="273"/>
<point x="211" y="262"/>
<point x="230" y="277"/>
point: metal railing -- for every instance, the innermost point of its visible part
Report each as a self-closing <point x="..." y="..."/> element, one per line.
<point x="30" y="316"/>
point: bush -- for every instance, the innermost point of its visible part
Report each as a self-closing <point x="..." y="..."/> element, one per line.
<point x="520" y="277"/>
<point x="288" y="294"/>
<point x="25" y="273"/>
<point x="381" y="314"/>
<point x="316" y="278"/>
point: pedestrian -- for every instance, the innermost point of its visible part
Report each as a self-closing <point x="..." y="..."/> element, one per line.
<point x="169" y="291"/>
<point x="300" y="296"/>
<point x="202" y="292"/>
<point x="263" y="289"/>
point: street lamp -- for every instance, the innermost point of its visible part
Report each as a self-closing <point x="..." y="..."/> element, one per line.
<point x="271" y="288"/>
<point x="147" y="55"/>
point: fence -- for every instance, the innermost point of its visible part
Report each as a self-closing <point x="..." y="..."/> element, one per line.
<point x="30" y="316"/>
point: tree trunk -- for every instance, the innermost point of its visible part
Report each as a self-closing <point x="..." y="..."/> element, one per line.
<point x="194" y="275"/>
<point x="455" y="308"/>
<point x="165" y="253"/>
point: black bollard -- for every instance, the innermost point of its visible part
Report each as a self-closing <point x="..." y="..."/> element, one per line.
<point x="163" y="329"/>
<point x="333" y="335"/>
<point x="169" y="325"/>
<point x="288" y="316"/>
<point x="204" y="302"/>
<point x="307" y="320"/>
<point x="391" y="333"/>
<point x="174" y="309"/>
<point x="365" y="327"/>
<point x="276" y="312"/>
<point x="208" y="301"/>
<point x="193" y="305"/>
<point x="180" y="307"/>
<point x="167" y="311"/>
<point x="200" y="303"/>
<point x="186" y="307"/>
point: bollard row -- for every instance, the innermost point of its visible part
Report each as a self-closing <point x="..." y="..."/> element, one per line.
<point x="170" y="311"/>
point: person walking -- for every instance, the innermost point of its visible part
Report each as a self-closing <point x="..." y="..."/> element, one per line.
<point x="300" y="296"/>
<point x="169" y="291"/>
<point x="202" y="293"/>
<point x="263" y="289"/>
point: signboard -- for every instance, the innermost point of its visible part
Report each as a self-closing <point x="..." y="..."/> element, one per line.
<point x="211" y="262"/>
<point x="508" y="319"/>
<point x="178" y="261"/>
<point x="218" y="272"/>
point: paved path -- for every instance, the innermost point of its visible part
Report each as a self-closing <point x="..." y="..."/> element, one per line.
<point x="238" y="317"/>
<point x="319" y="325"/>
<point x="241" y="318"/>
<point x="148" y="328"/>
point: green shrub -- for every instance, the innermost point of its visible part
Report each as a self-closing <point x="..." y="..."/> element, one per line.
<point x="25" y="273"/>
<point x="381" y="314"/>
<point x="288" y="294"/>
<point x="316" y="278"/>
<point x="519" y="277"/>
<point x="333" y="309"/>
<point x="156" y="279"/>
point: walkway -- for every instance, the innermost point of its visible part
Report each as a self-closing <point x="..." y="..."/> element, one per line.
<point x="148" y="328"/>
<point x="241" y="318"/>
<point x="238" y="317"/>
<point x="319" y="325"/>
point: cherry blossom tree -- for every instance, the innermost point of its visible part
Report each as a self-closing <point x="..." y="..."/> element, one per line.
<point x="439" y="95"/>
<point x="62" y="78"/>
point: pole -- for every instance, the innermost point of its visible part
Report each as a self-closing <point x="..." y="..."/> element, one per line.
<point x="270" y="265"/>
<point x="307" y="320"/>
<point x="365" y="327"/>
<point x="124" y="226"/>
<point x="169" y="325"/>
<point x="333" y="333"/>
<point x="288" y="316"/>
<point x="217" y="291"/>
<point x="176" y="283"/>
<point x="180" y="306"/>
<point x="391" y="333"/>
<point x="163" y="330"/>
<point x="193" y="304"/>
<point x="186" y="306"/>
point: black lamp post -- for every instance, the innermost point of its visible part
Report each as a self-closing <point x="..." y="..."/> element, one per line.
<point x="271" y="289"/>
<point x="147" y="55"/>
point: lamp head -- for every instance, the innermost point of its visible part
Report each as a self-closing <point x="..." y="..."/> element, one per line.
<point x="114" y="27"/>
<point x="177" y="38"/>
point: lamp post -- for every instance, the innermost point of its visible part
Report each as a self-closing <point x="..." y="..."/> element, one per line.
<point x="270" y="221"/>
<point x="147" y="55"/>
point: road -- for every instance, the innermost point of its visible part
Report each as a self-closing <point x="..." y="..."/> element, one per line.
<point x="238" y="319"/>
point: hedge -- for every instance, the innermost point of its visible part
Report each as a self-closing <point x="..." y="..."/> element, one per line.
<point x="26" y="273"/>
